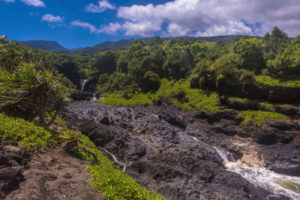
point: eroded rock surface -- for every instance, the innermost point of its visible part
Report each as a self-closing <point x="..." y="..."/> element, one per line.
<point x="172" y="152"/>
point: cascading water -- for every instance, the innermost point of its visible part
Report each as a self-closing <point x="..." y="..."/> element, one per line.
<point x="276" y="183"/>
<point x="83" y="82"/>
<point x="94" y="97"/>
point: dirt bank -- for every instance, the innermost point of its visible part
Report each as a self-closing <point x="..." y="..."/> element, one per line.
<point x="55" y="174"/>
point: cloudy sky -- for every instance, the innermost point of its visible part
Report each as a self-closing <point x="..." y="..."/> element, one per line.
<point x="78" y="23"/>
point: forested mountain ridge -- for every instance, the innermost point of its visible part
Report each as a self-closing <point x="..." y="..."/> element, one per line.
<point x="44" y="45"/>
<point x="121" y="44"/>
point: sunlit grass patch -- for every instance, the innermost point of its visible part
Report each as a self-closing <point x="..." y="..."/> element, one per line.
<point x="270" y="81"/>
<point x="29" y="134"/>
<point x="193" y="99"/>
<point x="260" y="117"/>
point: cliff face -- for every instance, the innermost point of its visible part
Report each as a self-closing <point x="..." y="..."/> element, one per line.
<point x="173" y="152"/>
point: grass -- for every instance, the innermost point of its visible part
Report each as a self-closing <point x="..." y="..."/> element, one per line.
<point x="260" y="117"/>
<point x="195" y="99"/>
<point x="29" y="134"/>
<point x="266" y="106"/>
<point x="265" y="113"/>
<point x="113" y="183"/>
<point x="270" y="81"/>
<point x="238" y="99"/>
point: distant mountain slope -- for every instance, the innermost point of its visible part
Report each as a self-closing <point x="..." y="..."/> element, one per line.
<point x="44" y="45"/>
<point x="122" y="44"/>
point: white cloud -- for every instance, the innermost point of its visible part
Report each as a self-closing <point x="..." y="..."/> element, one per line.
<point x="35" y="3"/>
<point x="177" y="30"/>
<point x="231" y="28"/>
<point x="143" y="29"/>
<point x="100" y="7"/>
<point x="112" y="28"/>
<point x="52" y="19"/>
<point x="212" y="17"/>
<point x="85" y="25"/>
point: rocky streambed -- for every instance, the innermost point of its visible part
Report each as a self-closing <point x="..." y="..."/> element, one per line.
<point x="189" y="155"/>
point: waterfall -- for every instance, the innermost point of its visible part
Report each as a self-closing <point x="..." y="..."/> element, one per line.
<point x="273" y="182"/>
<point x="83" y="82"/>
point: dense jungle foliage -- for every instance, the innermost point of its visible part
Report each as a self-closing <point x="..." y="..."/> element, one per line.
<point x="195" y="74"/>
<point x="272" y="60"/>
<point x="190" y="72"/>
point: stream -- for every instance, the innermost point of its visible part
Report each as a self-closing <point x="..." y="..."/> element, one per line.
<point x="276" y="183"/>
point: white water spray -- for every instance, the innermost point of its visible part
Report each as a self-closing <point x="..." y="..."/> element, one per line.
<point x="94" y="97"/>
<point x="276" y="183"/>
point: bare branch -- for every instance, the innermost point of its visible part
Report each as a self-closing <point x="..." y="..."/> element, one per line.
<point x="88" y="151"/>
<point x="110" y="154"/>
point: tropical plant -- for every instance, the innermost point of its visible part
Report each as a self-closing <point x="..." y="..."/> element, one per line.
<point x="31" y="91"/>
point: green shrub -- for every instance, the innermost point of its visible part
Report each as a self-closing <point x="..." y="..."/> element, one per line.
<point x="31" y="91"/>
<point x="228" y="66"/>
<point x="29" y="134"/>
<point x="151" y="81"/>
<point x="246" y="77"/>
<point x="116" y="82"/>
<point x="251" y="51"/>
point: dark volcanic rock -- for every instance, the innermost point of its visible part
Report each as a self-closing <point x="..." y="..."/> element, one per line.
<point x="12" y="164"/>
<point x="172" y="152"/>
<point x="288" y="110"/>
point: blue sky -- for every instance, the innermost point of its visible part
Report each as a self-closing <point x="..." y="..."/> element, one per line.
<point x="80" y="23"/>
<point x="23" y="22"/>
